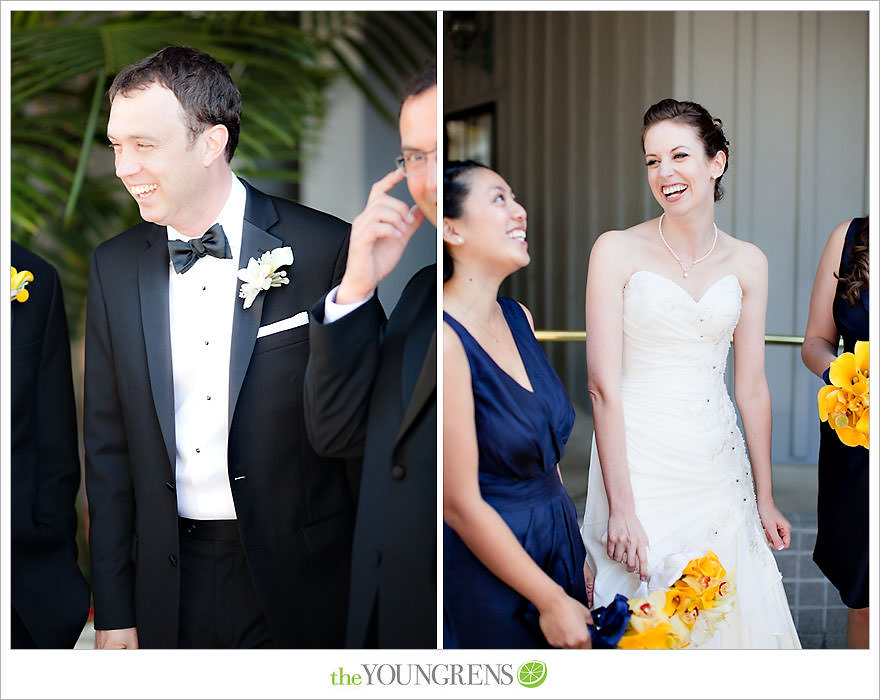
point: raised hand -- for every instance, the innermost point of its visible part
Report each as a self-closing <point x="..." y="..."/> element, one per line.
<point x="379" y="235"/>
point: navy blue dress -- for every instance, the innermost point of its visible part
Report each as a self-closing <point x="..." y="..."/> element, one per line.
<point x="841" y="550"/>
<point x="521" y="436"/>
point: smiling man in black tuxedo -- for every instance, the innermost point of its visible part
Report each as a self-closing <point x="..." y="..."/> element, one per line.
<point x="371" y="391"/>
<point x="213" y="522"/>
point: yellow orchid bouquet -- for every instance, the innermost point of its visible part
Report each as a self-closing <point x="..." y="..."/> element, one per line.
<point x="690" y="610"/>
<point x="844" y="403"/>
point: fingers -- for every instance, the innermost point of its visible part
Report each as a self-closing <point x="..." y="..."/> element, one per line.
<point x="382" y="186"/>
<point x="773" y="537"/>
<point x="642" y="561"/>
<point x="785" y="533"/>
<point x="588" y="617"/>
<point x="783" y="529"/>
<point x="589" y="583"/>
<point x="417" y="218"/>
<point x="565" y="625"/>
<point x="385" y="210"/>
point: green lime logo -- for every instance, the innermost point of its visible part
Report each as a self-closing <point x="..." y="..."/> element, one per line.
<point x="531" y="674"/>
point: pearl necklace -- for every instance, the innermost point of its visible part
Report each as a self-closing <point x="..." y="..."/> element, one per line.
<point x="685" y="268"/>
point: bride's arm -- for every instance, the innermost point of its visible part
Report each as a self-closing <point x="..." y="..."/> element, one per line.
<point x="751" y="391"/>
<point x="563" y="619"/>
<point x="604" y="324"/>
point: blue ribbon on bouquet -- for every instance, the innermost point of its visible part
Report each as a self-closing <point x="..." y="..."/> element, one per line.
<point x="609" y="623"/>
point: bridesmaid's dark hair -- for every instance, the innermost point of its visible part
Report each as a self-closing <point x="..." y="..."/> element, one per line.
<point x="709" y="130"/>
<point x="456" y="186"/>
<point x="855" y="276"/>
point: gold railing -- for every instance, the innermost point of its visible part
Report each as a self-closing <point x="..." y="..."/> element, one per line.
<point x="581" y="337"/>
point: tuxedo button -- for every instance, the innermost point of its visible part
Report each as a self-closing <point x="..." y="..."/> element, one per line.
<point x="397" y="472"/>
<point x="172" y="559"/>
<point x="170" y="485"/>
<point x="198" y="450"/>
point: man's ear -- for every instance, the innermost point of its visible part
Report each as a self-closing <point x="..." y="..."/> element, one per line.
<point x="214" y="140"/>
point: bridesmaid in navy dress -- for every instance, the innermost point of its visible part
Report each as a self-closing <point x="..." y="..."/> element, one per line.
<point x="839" y="309"/>
<point x="513" y="556"/>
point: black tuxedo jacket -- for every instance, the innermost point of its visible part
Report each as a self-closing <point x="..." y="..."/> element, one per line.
<point x="294" y="509"/>
<point x="371" y="390"/>
<point x="49" y="592"/>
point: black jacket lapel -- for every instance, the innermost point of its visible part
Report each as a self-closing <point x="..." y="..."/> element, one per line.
<point x="255" y="240"/>
<point x="153" y="294"/>
<point x="426" y="385"/>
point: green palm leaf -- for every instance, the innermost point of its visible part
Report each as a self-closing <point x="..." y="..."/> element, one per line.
<point x="64" y="196"/>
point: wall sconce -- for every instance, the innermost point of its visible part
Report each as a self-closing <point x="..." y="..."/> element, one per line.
<point x="470" y="36"/>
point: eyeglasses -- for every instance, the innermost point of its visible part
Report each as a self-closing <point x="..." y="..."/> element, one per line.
<point x="415" y="162"/>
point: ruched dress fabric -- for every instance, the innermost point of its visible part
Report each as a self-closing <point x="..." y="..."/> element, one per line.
<point x="521" y="436"/>
<point x="690" y="474"/>
<point x="841" y="550"/>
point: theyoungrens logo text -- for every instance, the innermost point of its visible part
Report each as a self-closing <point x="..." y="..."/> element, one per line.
<point x="530" y="674"/>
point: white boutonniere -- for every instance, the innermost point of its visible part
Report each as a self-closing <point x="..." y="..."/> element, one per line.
<point x="261" y="274"/>
<point x="19" y="281"/>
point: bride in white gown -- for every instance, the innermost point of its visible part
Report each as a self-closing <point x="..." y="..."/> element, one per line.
<point x="670" y="477"/>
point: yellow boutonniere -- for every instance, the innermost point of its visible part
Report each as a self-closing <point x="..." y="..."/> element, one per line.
<point x="844" y="403"/>
<point x="19" y="282"/>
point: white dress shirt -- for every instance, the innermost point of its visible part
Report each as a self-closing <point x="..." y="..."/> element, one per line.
<point x="201" y="304"/>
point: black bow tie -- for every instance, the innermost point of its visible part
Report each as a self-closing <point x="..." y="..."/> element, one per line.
<point x="185" y="253"/>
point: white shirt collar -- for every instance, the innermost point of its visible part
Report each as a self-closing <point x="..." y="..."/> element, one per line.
<point x="230" y="218"/>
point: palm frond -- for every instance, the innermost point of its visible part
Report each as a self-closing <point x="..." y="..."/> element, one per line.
<point x="65" y="198"/>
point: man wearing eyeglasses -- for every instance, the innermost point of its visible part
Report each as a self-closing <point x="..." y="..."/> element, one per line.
<point x="370" y="391"/>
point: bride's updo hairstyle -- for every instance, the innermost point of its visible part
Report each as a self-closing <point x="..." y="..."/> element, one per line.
<point x="456" y="186"/>
<point x="708" y="129"/>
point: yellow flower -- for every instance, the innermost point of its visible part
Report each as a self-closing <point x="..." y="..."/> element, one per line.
<point x="650" y="628"/>
<point x="651" y="637"/>
<point x="850" y="370"/>
<point x="655" y="633"/>
<point x="19" y="281"/>
<point x="708" y="565"/>
<point x="650" y="607"/>
<point x="676" y="600"/>
<point x="844" y="404"/>
<point x="700" y="580"/>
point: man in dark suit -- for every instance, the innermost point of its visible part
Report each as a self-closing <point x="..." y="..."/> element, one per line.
<point x="213" y="522"/>
<point x="371" y="390"/>
<point x="50" y="597"/>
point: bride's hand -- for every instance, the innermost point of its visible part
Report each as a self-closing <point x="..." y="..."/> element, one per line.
<point x="589" y="580"/>
<point x="628" y="543"/>
<point x="564" y="623"/>
<point x="776" y="526"/>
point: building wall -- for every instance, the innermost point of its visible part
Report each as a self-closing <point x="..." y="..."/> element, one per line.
<point x="793" y="89"/>
<point x="570" y="91"/>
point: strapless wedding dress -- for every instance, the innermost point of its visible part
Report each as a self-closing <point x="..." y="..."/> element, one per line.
<point x="688" y="466"/>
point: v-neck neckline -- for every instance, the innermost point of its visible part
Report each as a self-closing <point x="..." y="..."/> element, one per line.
<point x="492" y="360"/>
